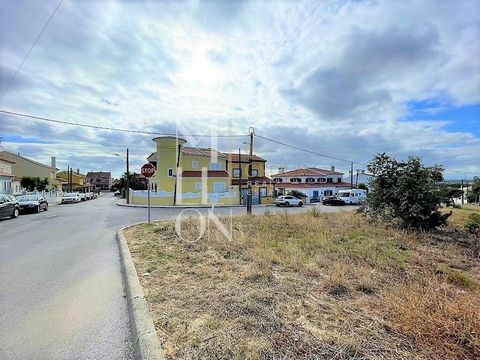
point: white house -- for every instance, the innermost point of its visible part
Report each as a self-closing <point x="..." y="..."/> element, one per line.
<point x="6" y="176"/>
<point x="313" y="182"/>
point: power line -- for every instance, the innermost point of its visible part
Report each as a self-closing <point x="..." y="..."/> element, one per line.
<point x="12" y="79"/>
<point x="39" y="118"/>
<point x="308" y="151"/>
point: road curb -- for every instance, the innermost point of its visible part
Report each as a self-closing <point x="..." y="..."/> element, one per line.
<point x="119" y="203"/>
<point x="146" y="345"/>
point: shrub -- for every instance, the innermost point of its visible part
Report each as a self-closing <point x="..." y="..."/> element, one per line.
<point x="473" y="223"/>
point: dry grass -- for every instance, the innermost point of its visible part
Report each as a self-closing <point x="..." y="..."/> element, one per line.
<point x="309" y="286"/>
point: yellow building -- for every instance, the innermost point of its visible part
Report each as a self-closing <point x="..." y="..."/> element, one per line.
<point x="263" y="188"/>
<point x="77" y="180"/>
<point x="187" y="175"/>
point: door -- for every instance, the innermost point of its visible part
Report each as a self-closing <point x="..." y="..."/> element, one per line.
<point x="315" y="194"/>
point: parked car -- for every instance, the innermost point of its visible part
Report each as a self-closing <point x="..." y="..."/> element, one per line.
<point x="117" y="193"/>
<point x="35" y="203"/>
<point x="286" y="200"/>
<point x="9" y="206"/>
<point x="353" y="196"/>
<point x="332" y="200"/>
<point x="70" y="198"/>
<point x="83" y="196"/>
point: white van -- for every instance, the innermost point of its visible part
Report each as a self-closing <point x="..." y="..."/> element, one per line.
<point x="353" y="196"/>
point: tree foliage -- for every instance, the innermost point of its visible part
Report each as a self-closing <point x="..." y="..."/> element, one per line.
<point x="474" y="195"/>
<point x="33" y="183"/>
<point x="405" y="192"/>
<point x="448" y="194"/>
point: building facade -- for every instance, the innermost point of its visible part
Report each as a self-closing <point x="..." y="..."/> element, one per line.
<point x="263" y="187"/>
<point x="187" y="176"/>
<point x="98" y="180"/>
<point x="76" y="181"/>
<point x="6" y="177"/>
<point x="313" y="182"/>
<point x="23" y="167"/>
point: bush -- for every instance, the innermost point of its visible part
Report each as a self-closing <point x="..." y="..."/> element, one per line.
<point x="405" y="193"/>
<point x="473" y="223"/>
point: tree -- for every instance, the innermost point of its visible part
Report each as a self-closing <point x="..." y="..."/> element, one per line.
<point x="405" y="193"/>
<point x="33" y="183"/>
<point x="297" y="194"/>
<point x="448" y="194"/>
<point x="474" y="195"/>
<point x="363" y="187"/>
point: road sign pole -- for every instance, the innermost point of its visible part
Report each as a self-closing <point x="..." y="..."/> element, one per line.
<point x="148" y="198"/>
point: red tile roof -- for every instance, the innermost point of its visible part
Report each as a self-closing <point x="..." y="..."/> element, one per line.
<point x="254" y="179"/>
<point x="310" y="185"/>
<point x="210" y="173"/>
<point x="307" y="172"/>
<point x="243" y="157"/>
<point x="196" y="151"/>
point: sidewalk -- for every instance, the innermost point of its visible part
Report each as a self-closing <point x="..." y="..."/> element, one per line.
<point x="122" y="202"/>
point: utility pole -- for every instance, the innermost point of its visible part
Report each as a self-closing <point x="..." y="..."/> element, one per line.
<point x="240" y="180"/>
<point x="179" y="149"/>
<point x="250" y="163"/>
<point x="462" y="193"/>
<point x="68" y="178"/>
<point x="71" y="179"/>
<point x="127" y="191"/>
<point x="351" y="175"/>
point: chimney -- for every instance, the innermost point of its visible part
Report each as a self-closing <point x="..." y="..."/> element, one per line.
<point x="54" y="162"/>
<point x="281" y="170"/>
<point x="332" y="168"/>
<point x="78" y="171"/>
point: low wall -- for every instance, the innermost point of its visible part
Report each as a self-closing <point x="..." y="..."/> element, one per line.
<point x="140" y="197"/>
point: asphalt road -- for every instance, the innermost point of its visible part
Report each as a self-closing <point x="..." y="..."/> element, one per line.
<point x="61" y="292"/>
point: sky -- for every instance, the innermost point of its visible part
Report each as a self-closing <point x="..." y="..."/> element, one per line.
<point x="348" y="79"/>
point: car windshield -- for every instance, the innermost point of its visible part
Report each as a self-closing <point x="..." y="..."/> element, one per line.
<point x="70" y="194"/>
<point x="27" y="198"/>
<point x="343" y="194"/>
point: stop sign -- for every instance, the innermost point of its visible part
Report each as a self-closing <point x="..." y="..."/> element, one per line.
<point x="148" y="170"/>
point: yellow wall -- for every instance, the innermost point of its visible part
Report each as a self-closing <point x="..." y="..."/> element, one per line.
<point x="203" y="162"/>
<point x="259" y="165"/>
<point x="76" y="179"/>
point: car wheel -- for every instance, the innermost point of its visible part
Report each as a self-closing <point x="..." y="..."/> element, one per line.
<point x="38" y="208"/>
<point x="287" y="204"/>
<point x="15" y="214"/>
<point x="46" y="207"/>
<point x="300" y="204"/>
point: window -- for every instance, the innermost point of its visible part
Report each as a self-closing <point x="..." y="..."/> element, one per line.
<point x="329" y="180"/>
<point x="328" y="193"/>
<point x="236" y="172"/>
<point x="263" y="191"/>
<point x="170" y="172"/>
<point x="219" y="187"/>
<point x="278" y="179"/>
<point x="198" y="186"/>
<point x="254" y="172"/>
<point x="194" y="164"/>
<point x="321" y="180"/>
<point x="295" y="180"/>
<point x="339" y="179"/>
<point x="309" y="180"/>
<point x="214" y="166"/>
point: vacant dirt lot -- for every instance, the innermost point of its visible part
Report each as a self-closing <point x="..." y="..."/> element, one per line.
<point x="310" y="286"/>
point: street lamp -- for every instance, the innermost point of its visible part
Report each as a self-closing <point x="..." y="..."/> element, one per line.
<point x="127" y="190"/>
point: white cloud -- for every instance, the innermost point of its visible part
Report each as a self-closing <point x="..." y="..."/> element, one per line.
<point x="338" y="83"/>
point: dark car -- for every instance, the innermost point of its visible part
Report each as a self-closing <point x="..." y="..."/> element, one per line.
<point x="32" y="203"/>
<point x="314" y="199"/>
<point x="9" y="206"/>
<point x="332" y="200"/>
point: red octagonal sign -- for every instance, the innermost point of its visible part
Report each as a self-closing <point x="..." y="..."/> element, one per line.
<point x="148" y="170"/>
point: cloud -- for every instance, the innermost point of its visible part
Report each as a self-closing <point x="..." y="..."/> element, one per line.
<point x="339" y="80"/>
